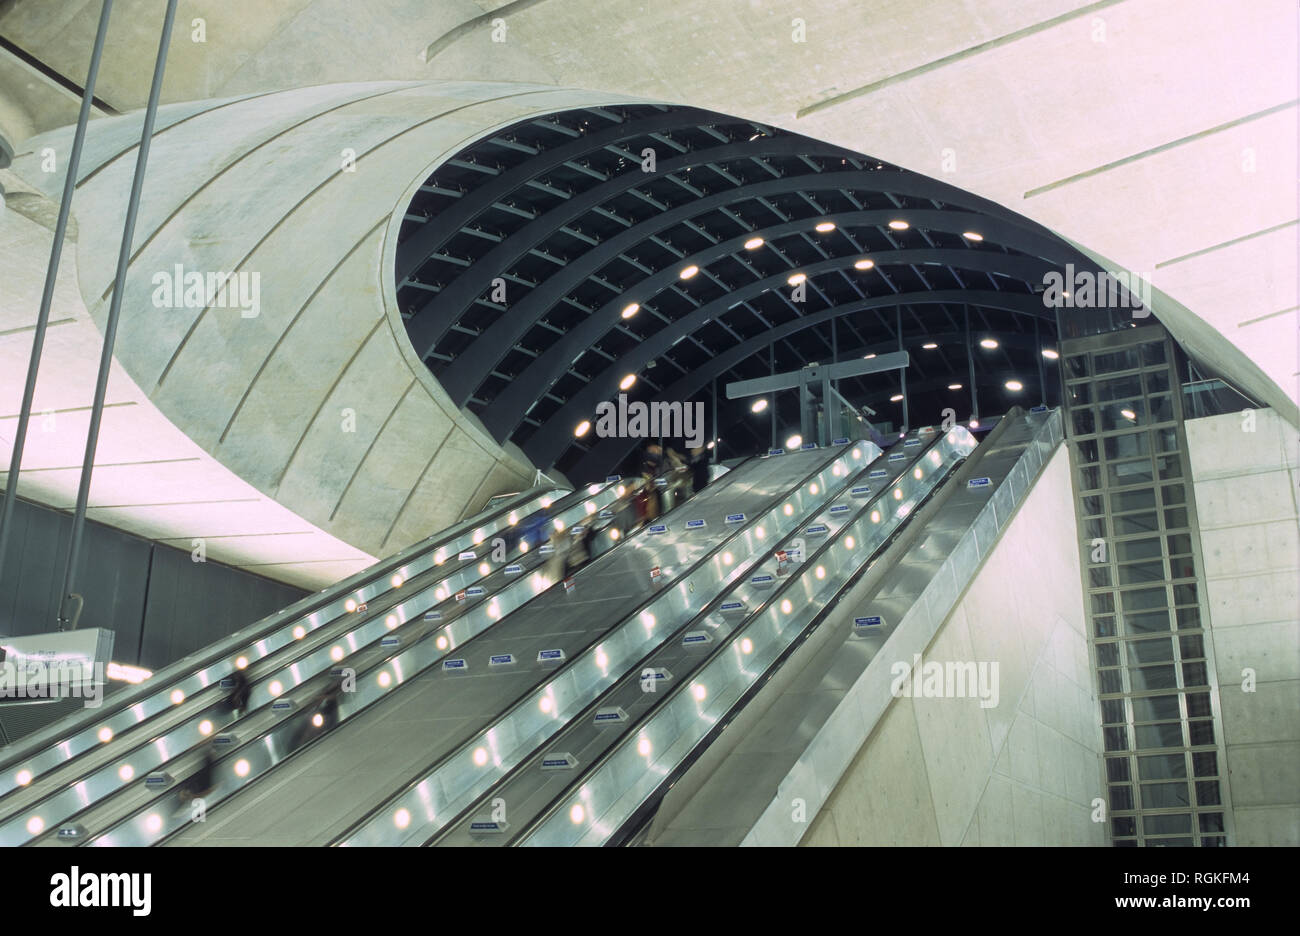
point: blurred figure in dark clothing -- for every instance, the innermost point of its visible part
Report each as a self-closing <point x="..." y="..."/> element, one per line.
<point x="699" y="469"/>
<point x="237" y="698"/>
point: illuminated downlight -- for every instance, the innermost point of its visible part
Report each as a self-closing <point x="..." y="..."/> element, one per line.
<point x="812" y="489"/>
<point x="484" y="568"/>
<point x="397" y="581"/>
<point x="857" y="453"/>
<point x="402" y="818"/>
<point x="440" y="593"/>
<point x="758" y="405"/>
<point x="275" y="688"/>
<point x="954" y="386"/>
<point x="864" y="264"/>
<point x="385" y="679"/>
<point x="348" y="606"/>
<point x="929" y="346"/>
<point x="559" y="525"/>
<point x="590" y="507"/>
<point x="523" y="547"/>
<point x="760" y="532"/>
<point x="989" y="343"/>
<point x="644" y="747"/>
<point x="439" y="559"/>
<point x="621" y="490"/>
<point x="699" y="692"/>
<point x="153" y="824"/>
<point x="177" y="697"/>
<point x="689" y="271"/>
<point x="23" y="777"/>
<point x="971" y="235"/>
<point x="582" y="428"/>
<point x="514" y="518"/>
<point x="105" y="734"/>
<point x="916" y="473"/>
<point x="391" y="621"/>
<point x="546" y="502"/>
<point x="821" y="572"/>
<point x="336" y="653"/>
<point x="35" y="825"/>
<point x="797" y="278"/>
<point x="787" y="510"/>
<point x="875" y="516"/>
<point x="205" y="727"/>
<point x="545" y="703"/>
<point x="1050" y="354"/>
<point x="746" y="645"/>
<point x="896" y="398"/>
<point x="825" y="227"/>
<point x="630" y="310"/>
<point x="613" y="533"/>
<point x="898" y="493"/>
<point x="577" y="814"/>
<point x="794" y="442"/>
<point x="241" y="663"/>
<point x="480" y="757"/>
<point x="627" y="382"/>
<point x="242" y="767"/>
<point x="441" y="642"/>
<point x="899" y="225"/>
<point x="1014" y="385"/>
<point x="754" y="243"/>
<point x="299" y="632"/>
<point x="126" y="772"/>
<point x="318" y="719"/>
<point x="849" y="543"/>
<point x="786" y="607"/>
<point x="479" y="536"/>
<point x="727" y="558"/>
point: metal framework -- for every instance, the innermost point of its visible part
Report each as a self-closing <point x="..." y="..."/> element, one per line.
<point x="520" y="255"/>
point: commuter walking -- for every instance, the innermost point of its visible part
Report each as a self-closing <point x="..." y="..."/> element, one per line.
<point x="237" y="698"/>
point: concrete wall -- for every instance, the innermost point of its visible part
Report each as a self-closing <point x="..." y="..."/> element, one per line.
<point x="1245" y="485"/>
<point x="1023" y="772"/>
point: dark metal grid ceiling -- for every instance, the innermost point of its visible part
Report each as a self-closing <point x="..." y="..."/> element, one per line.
<point x="560" y="210"/>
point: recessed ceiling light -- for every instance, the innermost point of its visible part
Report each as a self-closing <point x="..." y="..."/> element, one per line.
<point x="630" y="310"/>
<point x="1014" y="385"/>
<point x="753" y="243"/>
<point x="971" y="235"/>
<point x="1128" y="414"/>
<point x="689" y="271"/>
<point x="582" y="428"/>
<point x="989" y="343"/>
<point x="759" y="405"/>
<point x="867" y="357"/>
<point x="794" y="442"/>
<point x="825" y="226"/>
<point x="929" y="346"/>
<point x="863" y="264"/>
<point x="626" y="382"/>
<point x="897" y="397"/>
<point x="797" y="278"/>
<point x="1051" y="354"/>
<point x="954" y="386"/>
<point x="899" y="225"/>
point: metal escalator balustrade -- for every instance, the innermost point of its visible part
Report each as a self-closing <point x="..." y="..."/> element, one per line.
<point x="421" y="808"/>
<point x="528" y="790"/>
<point x="51" y="748"/>
<point x="256" y="753"/>
<point x="598" y="803"/>
<point x="192" y="721"/>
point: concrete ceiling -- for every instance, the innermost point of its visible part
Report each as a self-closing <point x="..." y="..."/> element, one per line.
<point x="1158" y="135"/>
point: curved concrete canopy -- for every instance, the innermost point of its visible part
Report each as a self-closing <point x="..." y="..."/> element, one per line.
<point x="300" y="380"/>
<point x="1157" y="133"/>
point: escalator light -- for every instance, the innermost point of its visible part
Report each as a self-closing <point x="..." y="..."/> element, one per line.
<point x="727" y="558"/>
<point x="275" y="688"/>
<point x="35" y="825"/>
<point x="857" y="453"/>
<point x="812" y="489"/>
<point x="439" y="559"/>
<point x="299" y="632"/>
<point x="514" y="518"/>
<point x="23" y="777"/>
<point x="241" y="662"/>
<point x="699" y="692"/>
<point x="760" y="532"/>
<point x="402" y="818"/>
<point x="849" y="543"/>
<point x="590" y="507"/>
<point x="153" y="824"/>
<point x="898" y="493"/>
<point x="318" y="719"/>
<point x="875" y="516"/>
<point x="385" y="679"/>
<point x="484" y="568"/>
<point x="105" y="734"/>
<point x="336" y="653"/>
<point x="786" y="607"/>
<point x="787" y="510"/>
<point x="441" y="642"/>
<point x="821" y="572"/>
<point x="440" y="593"/>
<point x="523" y="546"/>
<point x="644" y="747"/>
<point x="577" y="814"/>
<point x="391" y="621"/>
<point x="205" y="727"/>
<point x="397" y="581"/>
<point x="348" y="606"/>
<point x="546" y="502"/>
<point x="746" y="645"/>
<point x="621" y="490"/>
<point x="478" y="537"/>
<point x="480" y="757"/>
<point x="545" y="703"/>
<point x="177" y="697"/>
<point x="559" y="525"/>
<point x="126" y="772"/>
<point x="613" y="534"/>
<point x="241" y="768"/>
<point x="916" y="473"/>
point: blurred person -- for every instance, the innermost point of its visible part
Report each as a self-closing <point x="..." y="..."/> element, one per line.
<point x="237" y="697"/>
<point x="699" y="469"/>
